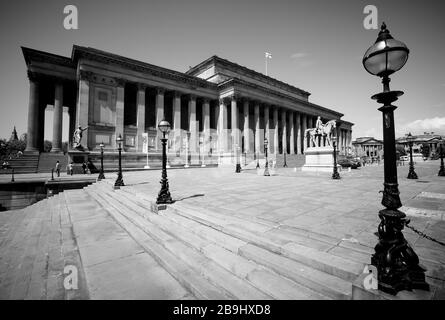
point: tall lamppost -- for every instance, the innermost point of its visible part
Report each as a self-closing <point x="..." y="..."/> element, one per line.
<point x="396" y="262"/>
<point x="411" y="174"/>
<point x="335" y="174"/>
<point x="164" y="194"/>
<point x="119" y="181"/>
<point x="101" y="172"/>
<point x="266" y="166"/>
<point x="442" y="168"/>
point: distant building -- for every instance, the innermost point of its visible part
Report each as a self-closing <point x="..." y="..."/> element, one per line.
<point x="367" y="147"/>
<point x="430" y="139"/>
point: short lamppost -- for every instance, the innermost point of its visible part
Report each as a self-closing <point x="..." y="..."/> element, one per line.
<point x="238" y="164"/>
<point x="411" y="173"/>
<point x="442" y="168"/>
<point x="335" y="174"/>
<point x="164" y="196"/>
<point x="119" y="181"/>
<point x="396" y="262"/>
<point x="12" y="175"/>
<point x="101" y="172"/>
<point x="52" y="174"/>
<point x="266" y="166"/>
<point x="285" y="163"/>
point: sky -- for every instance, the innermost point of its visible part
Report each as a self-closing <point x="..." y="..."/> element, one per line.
<point x="316" y="45"/>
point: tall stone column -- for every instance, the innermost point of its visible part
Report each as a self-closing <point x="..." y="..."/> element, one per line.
<point x="140" y="100"/>
<point x="303" y="132"/>
<point x="291" y="133"/>
<point x="284" y="133"/>
<point x="246" y="129"/>
<point x="193" y="125"/>
<point x="120" y="94"/>
<point x="206" y="124"/>
<point x="267" y="124"/>
<point x="298" y="130"/>
<point x="275" y="135"/>
<point x="256" y="121"/>
<point x="57" y="118"/>
<point x="177" y="120"/>
<point x="234" y="123"/>
<point x="222" y="126"/>
<point x="82" y="109"/>
<point x="33" y="110"/>
<point x="159" y="115"/>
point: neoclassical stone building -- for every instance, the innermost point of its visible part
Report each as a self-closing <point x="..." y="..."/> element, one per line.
<point x="213" y="107"/>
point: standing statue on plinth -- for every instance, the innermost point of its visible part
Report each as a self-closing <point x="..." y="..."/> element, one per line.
<point x="77" y="137"/>
<point x="324" y="130"/>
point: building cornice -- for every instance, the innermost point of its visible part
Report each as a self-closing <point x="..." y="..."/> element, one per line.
<point x="135" y="65"/>
<point x="234" y="82"/>
<point x="31" y="55"/>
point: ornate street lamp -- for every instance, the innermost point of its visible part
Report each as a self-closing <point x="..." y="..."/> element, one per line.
<point x="119" y="181"/>
<point x="238" y="164"/>
<point x="442" y="168"/>
<point x="396" y="262"/>
<point x="101" y="172"/>
<point x="335" y="174"/>
<point x="266" y="166"/>
<point x="411" y="174"/>
<point x="164" y="194"/>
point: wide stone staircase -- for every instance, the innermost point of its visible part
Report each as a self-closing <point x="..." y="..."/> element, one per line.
<point x="26" y="163"/>
<point x="208" y="255"/>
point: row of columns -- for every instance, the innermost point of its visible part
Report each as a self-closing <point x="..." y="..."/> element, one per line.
<point x="293" y="124"/>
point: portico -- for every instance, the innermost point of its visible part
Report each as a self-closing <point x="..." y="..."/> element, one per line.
<point x="213" y="107"/>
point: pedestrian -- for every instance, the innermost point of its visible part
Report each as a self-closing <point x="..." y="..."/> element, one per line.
<point x="70" y="168"/>
<point x="58" y="168"/>
<point x="84" y="167"/>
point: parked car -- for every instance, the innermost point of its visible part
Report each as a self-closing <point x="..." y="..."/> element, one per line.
<point x="404" y="158"/>
<point x="347" y="163"/>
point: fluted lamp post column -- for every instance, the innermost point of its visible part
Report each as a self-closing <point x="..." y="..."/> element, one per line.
<point x="164" y="196"/>
<point x="411" y="173"/>
<point x="335" y="174"/>
<point x="266" y="166"/>
<point x="396" y="262"/>
<point x="101" y="172"/>
<point x="441" y="150"/>
<point x="119" y="181"/>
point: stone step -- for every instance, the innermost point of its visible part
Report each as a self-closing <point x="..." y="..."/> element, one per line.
<point x="185" y="275"/>
<point x="230" y="261"/>
<point x="331" y="264"/>
<point x="231" y="285"/>
<point x="319" y="281"/>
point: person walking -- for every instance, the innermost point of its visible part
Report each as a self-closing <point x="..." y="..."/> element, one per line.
<point x="58" y="168"/>
<point x="84" y="167"/>
<point x="70" y="168"/>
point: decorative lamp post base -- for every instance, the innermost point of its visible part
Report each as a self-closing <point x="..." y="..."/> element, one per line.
<point x="238" y="168"/>
<point x="164" y="196"/>
<point x="396" y="262"/>
<point x="101" y="175"/>
<point x="412" y="174"/>
<point x="442" y="169"/>
<point x="335" y="174"/>
<point x="119" y="181"/>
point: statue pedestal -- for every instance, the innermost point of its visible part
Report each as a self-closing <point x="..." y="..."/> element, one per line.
<point x="319" y="159"/>
<point x="77" y="157"/>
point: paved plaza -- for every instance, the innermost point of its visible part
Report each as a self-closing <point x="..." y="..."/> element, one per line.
<point x="337" y="217"/>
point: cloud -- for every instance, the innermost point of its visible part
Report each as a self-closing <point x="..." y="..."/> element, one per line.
<point x="436" y="124"/>
<point x="298" y="55"/>
<point x="300" y="59"/>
